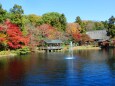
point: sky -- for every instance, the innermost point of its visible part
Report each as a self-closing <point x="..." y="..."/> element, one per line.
<point x="96" y="10"/>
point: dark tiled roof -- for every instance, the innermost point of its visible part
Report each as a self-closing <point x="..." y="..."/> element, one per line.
<point x="53" y="41"/>
<point x="98" y="34"/>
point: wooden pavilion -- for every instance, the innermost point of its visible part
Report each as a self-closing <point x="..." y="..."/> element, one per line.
<point x="52" y="45"/>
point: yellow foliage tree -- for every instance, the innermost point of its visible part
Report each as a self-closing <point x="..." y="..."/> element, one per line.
<point x="73" y="28"/>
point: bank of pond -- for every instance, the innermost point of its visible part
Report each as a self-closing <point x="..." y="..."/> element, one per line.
<point x="26" y="50"/>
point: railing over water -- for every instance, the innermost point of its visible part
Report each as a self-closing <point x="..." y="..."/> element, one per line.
<point x="51" y="48"/>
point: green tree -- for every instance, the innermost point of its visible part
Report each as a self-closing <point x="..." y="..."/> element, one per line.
<point x="99" y="25"/>
<point x="16" y="16"/>
<point x="63" y="22"/>
<point x="34" y="19"/>
<point x="105" y="23"/>
<point x="78" y="20"/>
<point x="81" y="23"/>
<point x="2" y="14"/>
<point x="112" y="20"/>
<point x="111" y="26"/>
<point x="55" y="19"/>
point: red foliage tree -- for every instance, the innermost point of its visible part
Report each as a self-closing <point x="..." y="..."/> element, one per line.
<point x="45" y="30"/>
<point x="76" y="37"/>
<point x="15" y="38"/>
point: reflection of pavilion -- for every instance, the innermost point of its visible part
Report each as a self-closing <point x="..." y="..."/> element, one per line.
<point x="52" y="45"/>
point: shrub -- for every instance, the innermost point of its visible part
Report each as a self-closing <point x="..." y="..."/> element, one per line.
<point x="23" y="51"/>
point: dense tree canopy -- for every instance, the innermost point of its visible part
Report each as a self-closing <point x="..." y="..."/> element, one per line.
<point x="81" y="23"/>
<point x="34" y="19"/>
<point x="74" y="30"/>
<point x="90" y="25"/>
<point x="2" y="14"/>
<point x="16" y="15"/>
<point x="12" y="37"/>
<point x="55" y="19"/>
<point x="111" y="26"/>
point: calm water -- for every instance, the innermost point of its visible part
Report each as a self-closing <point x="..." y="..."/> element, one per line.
<point x="88" y="68"/>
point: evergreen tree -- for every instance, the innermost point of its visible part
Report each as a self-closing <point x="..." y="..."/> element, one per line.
<point x="111" y="26"/>
<point x="2" y="14"/>
<point x="79" y="21"/>
<point x="17" y="16"/>
<point x="63" y="22"/>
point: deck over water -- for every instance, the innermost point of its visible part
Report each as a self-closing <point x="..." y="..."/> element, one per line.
<point x="51" y="48"/>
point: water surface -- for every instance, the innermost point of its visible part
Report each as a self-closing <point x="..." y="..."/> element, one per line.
<point x="88" y="68"/>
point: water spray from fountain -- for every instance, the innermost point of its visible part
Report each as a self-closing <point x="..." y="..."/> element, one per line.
<point x="70" y="51"/>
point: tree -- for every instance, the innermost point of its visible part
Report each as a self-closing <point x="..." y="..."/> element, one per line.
<point x="34" y="19"/>
<point x="76" y="37"/>
<point x="85" y="38"/>
<point x="33" y="36"/>
<point x="3" y="38"/>
<point x="63" y="22"/>
<point x="12" y="36"/>
<point x="78" y="20"/>
<point x="82" y="24"/>
<point x="105" y="23"/>
<point x="46" y="31"/>
<point x="16" y="16"/>
<point x="99" y="26"/>
<point x="74" y="30"/>
<point x="111" y="26"/>
<point x="55" y="19"/>
<point x="2" y="14"/>
<point x="112" y="20"/>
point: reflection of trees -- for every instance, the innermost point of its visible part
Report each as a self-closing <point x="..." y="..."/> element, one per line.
<point x="3" y="70"/>
<point x="111" y="59"/>
<point x="84" y="53"/>
<point x="12" y="72"/>
<point x="111" y="62"/>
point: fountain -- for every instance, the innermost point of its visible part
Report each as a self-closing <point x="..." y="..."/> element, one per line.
<point x="70" y="56"/>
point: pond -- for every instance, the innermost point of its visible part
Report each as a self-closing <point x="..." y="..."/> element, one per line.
<point x="86" y="68"/>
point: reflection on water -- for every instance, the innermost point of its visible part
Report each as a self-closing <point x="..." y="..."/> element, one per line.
<point x="90" y="68"/>
<point x="70" y="53"/>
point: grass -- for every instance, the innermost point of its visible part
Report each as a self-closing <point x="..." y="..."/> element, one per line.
<point x="88" y="47"/>
<point x="7" y="53"/>
<point x="85" y="47"/>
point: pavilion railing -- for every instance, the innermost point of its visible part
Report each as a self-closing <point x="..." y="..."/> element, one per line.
<point x="51" y="47"/>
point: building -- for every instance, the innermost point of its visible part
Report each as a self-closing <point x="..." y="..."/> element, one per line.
<point x="98" y="35"/>
<point x="52" y="45"/>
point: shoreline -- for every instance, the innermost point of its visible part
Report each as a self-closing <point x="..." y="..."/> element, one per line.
<point x="86" y="48"/>
<point x="10" y="54"/>
<point x="82" y="48"/>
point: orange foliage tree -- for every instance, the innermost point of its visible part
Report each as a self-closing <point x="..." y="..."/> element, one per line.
<point x="74" y="30"/>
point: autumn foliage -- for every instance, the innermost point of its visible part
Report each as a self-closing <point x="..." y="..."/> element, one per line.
<point x="11" y="34"/>
<point x="48" y="32"/>
<point x="74" y="30"/>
